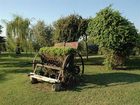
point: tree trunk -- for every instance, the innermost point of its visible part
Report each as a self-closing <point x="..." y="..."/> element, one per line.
<point x="86" y="48"/>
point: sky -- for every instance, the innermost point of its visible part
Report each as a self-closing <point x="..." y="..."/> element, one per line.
<point x="51" y="10"/>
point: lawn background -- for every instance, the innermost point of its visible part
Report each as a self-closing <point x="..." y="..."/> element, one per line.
<point x="99" y="86"/>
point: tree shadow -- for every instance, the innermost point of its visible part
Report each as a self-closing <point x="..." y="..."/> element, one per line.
<point x="16" y="70"/>
<point x="94" y="61"/>
<point x="17" y="64"/>
<point x="133" y="63"/>
<point x="17" y="56"/>
<point x="107" y="80"/>
<point x="5" y="72"/>
<point x="2" y="77"/>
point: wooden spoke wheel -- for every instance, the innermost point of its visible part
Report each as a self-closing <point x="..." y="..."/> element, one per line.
<point x="74" y="63"/>
<point x="79" y="62"/>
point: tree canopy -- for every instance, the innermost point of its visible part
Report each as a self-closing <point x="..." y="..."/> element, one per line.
<point x="17" y="33"/>
<point x="0" y="29"/>
<point x="42" y="35"/>
<point x="2" y="41"/>
<point x="69" y="28"/>
<point x="116" y="34"/>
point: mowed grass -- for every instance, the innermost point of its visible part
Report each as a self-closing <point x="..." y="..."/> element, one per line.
<point x="99" y="86"/>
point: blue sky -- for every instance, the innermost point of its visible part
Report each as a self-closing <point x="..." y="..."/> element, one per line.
<point x="51" y="10"/>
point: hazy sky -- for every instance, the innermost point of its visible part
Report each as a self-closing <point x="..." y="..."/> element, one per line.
<point x="51" y="10"/>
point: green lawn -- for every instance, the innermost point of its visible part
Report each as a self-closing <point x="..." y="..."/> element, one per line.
<point x="99" y="86"/>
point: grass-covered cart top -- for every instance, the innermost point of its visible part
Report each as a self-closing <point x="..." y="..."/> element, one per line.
<point x="56" y="51"/>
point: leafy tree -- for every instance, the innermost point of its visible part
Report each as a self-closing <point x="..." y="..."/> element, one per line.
<point x="17" y="33"/>
<point x="83" y="28"/>
<point x="136" y="50"/>
<point x="0" y="29"/>
<point x="2" y="44"/>
<point x="49" y="30"/>
<point x="2" y="41"/>
<point x="69" y="28"/>
<point x="113" y="33"/>
<point x="42" y="35"/>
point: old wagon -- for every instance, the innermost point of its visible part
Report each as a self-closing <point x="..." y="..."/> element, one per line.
<point x="60" y="65"/>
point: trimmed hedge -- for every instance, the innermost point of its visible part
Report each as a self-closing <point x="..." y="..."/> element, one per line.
<point x="56" y="51"/>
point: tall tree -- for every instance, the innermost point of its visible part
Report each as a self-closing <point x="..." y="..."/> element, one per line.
<point x="49" y="30"/>
<point x="17" y="32"/>
<point x="69" y="28"/>
<point x="115" y="34"/>
<point x="2" y="44"/>
<point x="42" y="35"/>
<point x="0" y="29"/>
<point x="2" y="41"/>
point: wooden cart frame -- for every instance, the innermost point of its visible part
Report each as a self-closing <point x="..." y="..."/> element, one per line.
<point x="68" y="65"/>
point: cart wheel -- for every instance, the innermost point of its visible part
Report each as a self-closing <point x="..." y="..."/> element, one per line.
<point x="56" y="87"/>
<point x="79" y="63"/>
<point x="34" y="80"/>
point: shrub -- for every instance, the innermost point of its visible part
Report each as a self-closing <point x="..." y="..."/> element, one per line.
<point x="113" y="33"/>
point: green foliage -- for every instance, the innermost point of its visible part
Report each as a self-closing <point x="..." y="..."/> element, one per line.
<point x="2" y="44"/>
<point x="49" y="31"/>
<point x="42" y="35"/>
<point x="17" y="33"/>
<point x="0" y="28"/>
<point x="2" y="41"/>
<point x="114" y="33"/>
<point x="69" y="28"/>
<point x="136" y="50"/>
<point x="55" y="51"/>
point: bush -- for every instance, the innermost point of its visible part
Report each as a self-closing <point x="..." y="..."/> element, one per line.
<point x="113" y="33"/>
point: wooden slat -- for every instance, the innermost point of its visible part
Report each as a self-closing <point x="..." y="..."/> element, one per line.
<point x="68" y="44"/>
<point x="43" y="78"/>
<point x="50" y="67"/>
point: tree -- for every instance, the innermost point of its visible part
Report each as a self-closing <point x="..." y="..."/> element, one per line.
<point x="0" y="29"/>
<point x="69" y="28"/>
<point x="42" y="35"/>
<point x="17" y="33"/>
<point x="136" y="50"/>
<point x="49" y="30"/>
<point x="2" y="41"/>
<point x="2" y="44"/>
<point x="113" y="33"/>
<point x="83" y="28"/>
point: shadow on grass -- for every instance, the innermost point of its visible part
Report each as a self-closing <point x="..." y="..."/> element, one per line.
<point x="133" y="63"/>
<point x="106" y="80"/>
<point x="16" y="56"/>
<point x="5" y="72"/>
<point x="2" y="77"/>
<point x="17" y="64"/>
<point x="16" y="70"/>
<point x="94" y="61"/>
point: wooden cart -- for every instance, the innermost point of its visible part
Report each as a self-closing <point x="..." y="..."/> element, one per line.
<point x="61" y="71"/>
